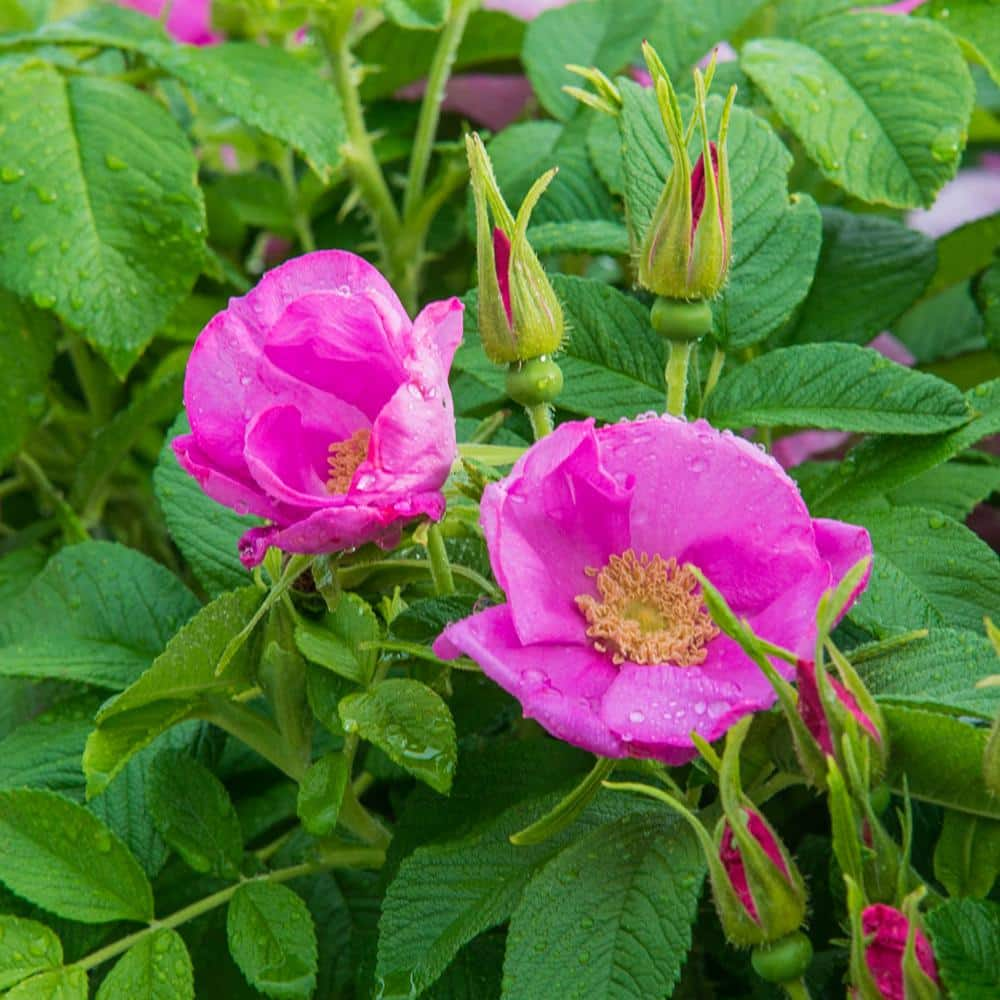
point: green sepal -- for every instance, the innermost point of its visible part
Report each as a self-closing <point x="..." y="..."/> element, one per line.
<point x="917" y="985"/>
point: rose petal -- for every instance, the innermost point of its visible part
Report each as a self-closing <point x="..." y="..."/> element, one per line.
<point x="558" y="685"/>
<point x="442" y="322"/>
<point x="843" y="545"/>
<point x="556" y="515"/>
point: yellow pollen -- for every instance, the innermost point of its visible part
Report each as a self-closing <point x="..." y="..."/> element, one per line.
<point x="650" y="611"/>
<point x="344" y="459"/>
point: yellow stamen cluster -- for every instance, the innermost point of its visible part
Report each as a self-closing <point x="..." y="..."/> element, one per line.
<point x="344" y="459"/>
<point x="650" y="611"/>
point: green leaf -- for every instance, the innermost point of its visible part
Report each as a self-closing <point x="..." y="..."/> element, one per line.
<point x="17" y="569"/>
<point x="966" y="938"/>
<point x="871" y="270"/>
<point x="410" y="723"/>
<point x="192" y="810"/>
<point x="974" y="23"/>
<point x="425" y="619"/>
<point x="776" y="238"/>
<point x="446" y="893"/>
<point x="46" y="752"/>
<point x="940" y="671"/>
<point x="156" y="968"/>
<point x="967" y="855"/>
<point x="206" y="532"/>
<point x="584" y="236"/>
<point x="881" y="103"/>
<point x="475" y="974"/>
<point x="941" y="759"/>
<point x="988" y="298"/>
<point x="608" y="35"/>
<point x="58" y="984"/>
<point x="335" y="641"/>
<point x="965" y="251"/>
<point x="954" y="488"/>
<point x="417" y="13"/>
<point x="321" y="793"/>
<point x="928" y="571"/>
<point x="28" y="338"/>
<point x="885" y="463"/>
<point x="399" y="57"/>
<point x="26" y="947"/>
<point x="58" y="855"/>
<point x="837" y="386"/>
<point x="267" y="87"/>
<point x="611" y="915"/>
<point x="272" y="939"/>
<point x="98" y="613"/>
<point x="177" y="684"/>
<point x="102" y="219"/>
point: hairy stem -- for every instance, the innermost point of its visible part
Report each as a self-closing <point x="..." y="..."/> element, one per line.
<point x="444" y="582"/>
<point x="540" y="416"/>
<point x="678" y="360"/>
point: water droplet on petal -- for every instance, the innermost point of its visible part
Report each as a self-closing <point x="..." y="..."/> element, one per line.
<point x="636" y="716"/>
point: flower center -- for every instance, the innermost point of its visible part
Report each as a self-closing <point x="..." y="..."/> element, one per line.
<point x="650" y="611"/>
<point x="344" y="458"/>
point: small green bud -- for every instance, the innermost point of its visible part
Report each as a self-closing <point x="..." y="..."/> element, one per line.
<point x="519" y="314"/>
<point x="686" y="251"/>
<point x="530" y="383"/>
<point x="784" y="960"/>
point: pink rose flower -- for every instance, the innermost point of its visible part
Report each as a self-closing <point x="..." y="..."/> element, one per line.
<point x="732" y="860"/>
<point x="605" y="639"/>
<point x="189" y="20"/>
<point x="316" y="403"/>
<point x="526" y="10"/>
<point x="888" y="928"/>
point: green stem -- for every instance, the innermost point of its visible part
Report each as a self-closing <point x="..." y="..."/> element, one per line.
<point x="430" y="108"/>
<point x="348" y="857"/>
<point x="444" y="582"/>
<point x="95" y="390"/>
<point x="351" y="576"/>
<point x="72" y="527"/>
<point x="714" y="371"/>
<point x="540" y="416"/>
<point x="258" y="733"/>
<point x="678" y="359"/>
<point x="300" y="219"/>
<point x="354" y="818"/>
<point x="796" y="990"/>
<point x="358" y="152"/>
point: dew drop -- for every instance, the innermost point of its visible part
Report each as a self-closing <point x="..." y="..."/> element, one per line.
<point x="946" y="145"/>
<point x="113" y="162"/>
<point x="636" y="716"/>
<point x="10" y="174"/>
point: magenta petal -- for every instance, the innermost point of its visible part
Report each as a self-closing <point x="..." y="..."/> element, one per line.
<point x="716" y="501"/>
<point x="560" y="686"/>
<point x="843" y="545"/>
<point x="338" y="344"/>
<point x="243" y="496"/>
<point x="655" y="708"/>
<point x="501" y="260"/>
<point x="557" y="514"/>
<point x="442" y="323"/>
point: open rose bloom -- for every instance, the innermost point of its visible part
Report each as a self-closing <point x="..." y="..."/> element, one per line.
<point x="604" y="637"/>
<point x="316" y="403"/>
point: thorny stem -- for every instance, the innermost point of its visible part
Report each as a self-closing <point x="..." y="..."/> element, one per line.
<point x="347" y="857"/>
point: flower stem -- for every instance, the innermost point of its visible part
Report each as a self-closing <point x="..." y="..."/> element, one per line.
<point x="444" y="582"/>
<point x="430" y="108"/>
<point x="714" y="371"/>
<point x="300" y="220"/>
<point x="258" y="733"/>
<point x="348" y="857"/>
<point x="678" y="360"/>
<point x="96" y="392"/>
<point x="796" y="990"/>
<point x="72" y="527"/>
<point x="540" y="416"/>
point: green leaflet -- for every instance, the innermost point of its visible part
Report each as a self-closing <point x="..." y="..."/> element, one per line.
<point x="272" y="939"/>
<point x="974" y="23"/>
<point x="928" y="571"/>
<point x="967" y="855"/>
<point x="194" y="815"/>
<point x="26" y="947"/>
<point x="870" y="270"/>
<point x="58" y="984"/>
<point x="610" y="916"/>
<point x="58" y="855"/>
<point x="417" y="13"/>
<point x="411" y="723"/>
<point x="98" y="613"/>
<point x="881" y="103"/>
<point x="966" y="939"/>
<point x="608" y="35"/>
<point x="102" y="221"/>
<point x="156" y="968"/>
<point x="28" y="339"/>
<point x="776" y="237"/>
<point x="838" y="386"/>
